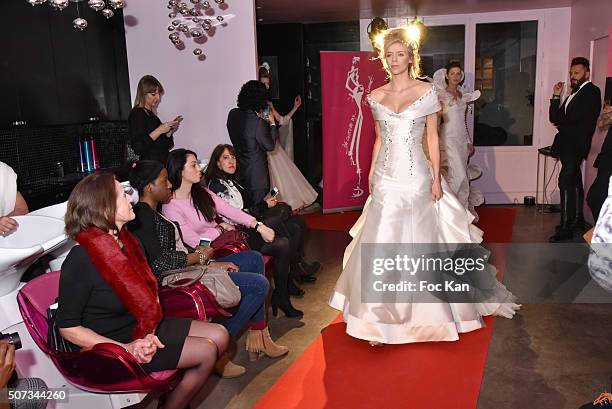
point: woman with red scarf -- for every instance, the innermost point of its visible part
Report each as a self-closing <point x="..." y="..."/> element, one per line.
<point x="109" y="294"/>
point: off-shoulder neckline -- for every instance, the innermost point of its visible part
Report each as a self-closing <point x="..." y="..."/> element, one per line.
<point x="369" y="98"/>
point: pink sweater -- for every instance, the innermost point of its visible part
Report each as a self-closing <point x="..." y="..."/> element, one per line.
<point x="194" y="225"/>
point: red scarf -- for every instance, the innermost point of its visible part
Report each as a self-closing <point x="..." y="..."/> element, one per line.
<point x="128" y="273"/>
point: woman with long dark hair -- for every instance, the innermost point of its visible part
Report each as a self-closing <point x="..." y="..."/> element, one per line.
<point x="107" y="293"/>
<point x="165" y="251"/>
<point x="221" y="177"/>
<point x="195" y="208"/>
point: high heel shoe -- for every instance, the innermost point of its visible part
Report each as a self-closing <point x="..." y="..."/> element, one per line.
<point x="285" y="306"/>
<point x="259" y="342"/>
<point x="300" y="275"/>
<point x="310" y="268"/>
<point x="294" y="290"/>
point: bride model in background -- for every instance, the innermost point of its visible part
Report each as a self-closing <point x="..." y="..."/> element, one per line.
<point x="456" y="144"/>
<point x="293" y="187"/>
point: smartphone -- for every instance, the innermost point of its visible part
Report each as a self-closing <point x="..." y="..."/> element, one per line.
<point x="204" y="242"/>
<point x="274" y="192"/>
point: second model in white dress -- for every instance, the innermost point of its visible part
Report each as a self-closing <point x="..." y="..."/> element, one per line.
<point x="400" y="210"/>
<point x="293" y="187"/>
<point x="454" y="140"/>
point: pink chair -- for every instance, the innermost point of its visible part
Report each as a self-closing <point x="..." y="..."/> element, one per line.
<point x="193" y="301"/>
<point x="106" y="368"/>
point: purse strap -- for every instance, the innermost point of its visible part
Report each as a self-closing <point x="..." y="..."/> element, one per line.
<point x="175" y="278"/>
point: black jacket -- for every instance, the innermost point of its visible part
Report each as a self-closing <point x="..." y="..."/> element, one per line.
<point x="254" y="209"/>
<point x="252" y="138"/>
<point x="141" y="123"/>
<point x="158" y="240"/>
<point x="604" y="159"/>
<point x="576" y="127"/>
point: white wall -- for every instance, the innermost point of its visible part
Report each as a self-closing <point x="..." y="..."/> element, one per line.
<point x="509" y="173"/>
<point x="202" y="91"/>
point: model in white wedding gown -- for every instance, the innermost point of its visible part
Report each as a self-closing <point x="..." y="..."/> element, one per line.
<point x="400" y="210"/>
<point x="293" y="187"/>
<point x="454" y="140"/>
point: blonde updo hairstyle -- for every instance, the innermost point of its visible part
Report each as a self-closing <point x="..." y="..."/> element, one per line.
<point x="399" y="35"/>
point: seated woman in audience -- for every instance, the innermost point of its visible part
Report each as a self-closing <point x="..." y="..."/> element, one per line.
<point x="196" y="208"/>
<point x="149" y="137"/>
<point x="107" y="293"/>
<point x="165" y="251"/>
<point x="11" y="201"/>
<point x="221" y="178"/>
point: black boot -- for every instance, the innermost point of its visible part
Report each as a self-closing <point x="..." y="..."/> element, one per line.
<point x="280" y="295"/>
<point x="580" y="224"/>
<point x="282" y="301"/>
<point x="565" y="230"/>
<point x="294" y="290"/>
<point x="299" y="275"/>
<point x="310" y="268"/>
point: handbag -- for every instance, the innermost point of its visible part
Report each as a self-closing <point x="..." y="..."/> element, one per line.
<point x="54" y="338"/>
<point x="216" y="279"/>
<point x="235" y="237"/>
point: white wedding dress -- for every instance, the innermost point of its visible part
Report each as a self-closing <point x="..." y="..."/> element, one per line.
<point x="400" y="210"/>
<point x="293" y="187"/>
<point x="454" y="137"/>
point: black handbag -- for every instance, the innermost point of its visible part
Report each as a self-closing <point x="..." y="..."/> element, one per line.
<point x="54" y="338"/>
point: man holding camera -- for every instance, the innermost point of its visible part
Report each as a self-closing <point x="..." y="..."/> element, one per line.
<point x="7" y="366"/>
<point x="575" y="120"/>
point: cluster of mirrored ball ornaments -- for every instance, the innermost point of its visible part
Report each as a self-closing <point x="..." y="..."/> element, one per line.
<point x="190" y="21"/>
<point x="97" y="5"/>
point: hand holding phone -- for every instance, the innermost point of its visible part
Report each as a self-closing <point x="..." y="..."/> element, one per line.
<point x="274" y="192"/>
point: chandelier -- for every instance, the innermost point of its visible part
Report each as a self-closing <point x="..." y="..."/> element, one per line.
<point x="97" y="5"/>
<point x="196" y="21"/>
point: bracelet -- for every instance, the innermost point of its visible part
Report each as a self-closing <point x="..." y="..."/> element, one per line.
<point x="200" y="256"/>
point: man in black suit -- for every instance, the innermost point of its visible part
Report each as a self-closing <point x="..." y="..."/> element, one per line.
<point x="599" y="189"/>
<point x="253" y="134"/>
<point x="575" y="120"/>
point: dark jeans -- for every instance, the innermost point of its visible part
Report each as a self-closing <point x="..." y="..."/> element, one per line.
<point x="253" y="287"/>
<point x="251" y="261"/>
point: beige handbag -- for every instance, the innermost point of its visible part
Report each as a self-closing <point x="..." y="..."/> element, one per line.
<point x="216" y="279"/>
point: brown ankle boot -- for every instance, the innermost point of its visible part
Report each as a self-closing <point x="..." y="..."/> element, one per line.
<point x="259" y="342"/>
<point x="225" y="368"/>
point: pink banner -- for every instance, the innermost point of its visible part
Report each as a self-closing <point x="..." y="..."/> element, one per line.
<point x="348" y="127"/>
<point x="610" y="54"/>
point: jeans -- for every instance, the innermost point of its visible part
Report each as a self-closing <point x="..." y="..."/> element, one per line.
<point x="251" y="261"/>
<point x="253" y="286"/>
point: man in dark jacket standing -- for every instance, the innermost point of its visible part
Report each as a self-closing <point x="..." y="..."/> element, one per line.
<point x="575" y="120"/>
<point x="253" y="134"/>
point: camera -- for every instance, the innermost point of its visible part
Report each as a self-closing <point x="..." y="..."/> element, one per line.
<point x="12" y="339"/>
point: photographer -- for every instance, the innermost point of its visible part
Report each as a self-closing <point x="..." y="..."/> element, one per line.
<point x="7" y="367"/>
